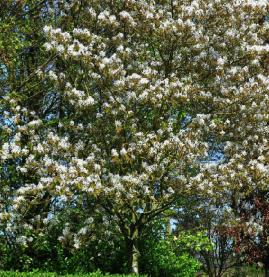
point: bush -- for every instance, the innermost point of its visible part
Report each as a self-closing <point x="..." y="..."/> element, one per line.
<point x="164" y="261"/>
<point x="172" y="256"/>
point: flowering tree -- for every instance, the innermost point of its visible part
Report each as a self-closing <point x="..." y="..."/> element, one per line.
<point x="141" y="87"/>
<point x="240" y="122"/>
<point x="21" y="55"/>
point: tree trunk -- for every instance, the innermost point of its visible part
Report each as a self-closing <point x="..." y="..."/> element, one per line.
<point x="135" y="257"/>
<point x="168" y="230"/>
<point x="266" y="262"/>
<point x="266" y="270"/>
<point x="132" y="248"/>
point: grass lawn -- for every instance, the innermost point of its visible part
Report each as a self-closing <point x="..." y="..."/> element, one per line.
<point x="242" y="272"/>
<point x="49" y="274"/>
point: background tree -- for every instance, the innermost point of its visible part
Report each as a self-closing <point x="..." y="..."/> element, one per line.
<point x="210" y="216"/>
<point x="251" y="231"/>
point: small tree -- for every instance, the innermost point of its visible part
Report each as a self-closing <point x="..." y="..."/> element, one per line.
<point x="251" y="231"/>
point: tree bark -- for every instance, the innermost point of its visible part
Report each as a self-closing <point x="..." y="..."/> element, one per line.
<point x="135" y="257"/>
<point x="266" y="262"/>
<point x="266" y="270"/>
<point x="132" y="246"/>
<point x="168" y="230"/>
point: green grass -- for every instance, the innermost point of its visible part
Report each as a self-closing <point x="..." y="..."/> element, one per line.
<point x="51" y="274"/>
<point x="246" y="271"/>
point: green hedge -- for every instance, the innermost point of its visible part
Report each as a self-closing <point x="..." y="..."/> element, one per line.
<point x="49" y="274"/>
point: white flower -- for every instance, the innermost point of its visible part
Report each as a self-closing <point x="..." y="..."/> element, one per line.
<point x="89" y="101"/>
<point x="123" y="152"/>
<point x="114" y="153"/>
<point x="143" y="81"/>
<point x="47" y="29"/>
